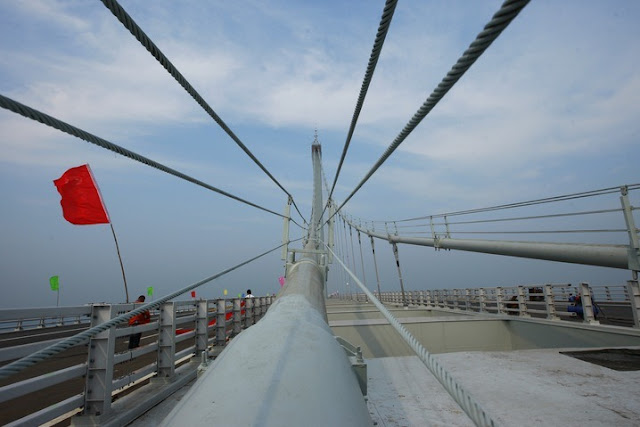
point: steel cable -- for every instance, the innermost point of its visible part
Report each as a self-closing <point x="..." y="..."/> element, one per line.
<point x="611" y="230"/>
<point x="126" y="20"/>
<point x="383" y="28"/>
<point x="48" y="120"/>
<point x="83" y="337"/>
<point x="459" y="394"/>
<point x="522" y="218"/>
<point x="501" y="19"/>
<point x="563" y="198"/>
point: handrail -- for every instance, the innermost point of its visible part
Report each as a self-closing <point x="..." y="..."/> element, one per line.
<point x="550" y="301"/>
<point x="123" y="360"/>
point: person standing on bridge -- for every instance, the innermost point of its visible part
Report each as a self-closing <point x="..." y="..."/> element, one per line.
<point x="249" y="294"/>
<point x="140" y="319"/>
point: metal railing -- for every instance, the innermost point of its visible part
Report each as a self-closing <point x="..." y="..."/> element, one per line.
<point x="177" y="332"/>
<point x="38" y="318"/>
<point x="612" y="304"/>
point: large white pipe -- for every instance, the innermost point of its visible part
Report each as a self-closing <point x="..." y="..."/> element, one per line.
<point x="287" y="369"/>
<point x="616" y="256"/>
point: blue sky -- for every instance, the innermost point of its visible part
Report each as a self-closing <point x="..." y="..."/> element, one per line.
<point x="550" y="108"/>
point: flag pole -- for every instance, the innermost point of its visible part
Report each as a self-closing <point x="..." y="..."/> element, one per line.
<point x="58" y="299"/>
<point x="126" y="291"/>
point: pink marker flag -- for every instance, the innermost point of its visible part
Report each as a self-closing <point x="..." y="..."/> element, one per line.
<point x="281" y="281"/>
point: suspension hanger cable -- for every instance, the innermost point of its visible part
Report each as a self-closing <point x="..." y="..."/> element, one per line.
<point x="48" y="120"/>
<point x="126" y="20"/>
<point x="501" y="19"/>
<point x="364" y="277"/>
<point x="375" y="264"/>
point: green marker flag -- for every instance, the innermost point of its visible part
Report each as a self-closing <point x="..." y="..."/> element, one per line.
<point x="239" y="295"/>
<point x="54" y="283"/>
<point x="150" y="291"/>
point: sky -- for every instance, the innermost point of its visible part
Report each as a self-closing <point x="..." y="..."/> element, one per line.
<point x="551" y="108"/>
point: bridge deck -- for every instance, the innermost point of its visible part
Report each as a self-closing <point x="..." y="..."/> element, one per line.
<point x="530" y="387"/>
<point x="523" y="387"/>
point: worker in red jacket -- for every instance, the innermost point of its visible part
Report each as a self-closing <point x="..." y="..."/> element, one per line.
<point x="139" y="319"/>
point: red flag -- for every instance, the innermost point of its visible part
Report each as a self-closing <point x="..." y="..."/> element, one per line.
<point x="193" y="294"/>
<point x="81" y="201"/>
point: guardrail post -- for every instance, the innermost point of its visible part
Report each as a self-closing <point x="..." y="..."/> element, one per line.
<point x="587" y="304"/>
<point x="607" y="292"/>
<point x="499" y="300"/>
<point x="221" y="322"/>
<point x="167" y="340"/>
<point x="202" y="320"/>
<point x="634" y="290"/>
<point x="456" y="297"/>
<point x="421" y="297"/>
<point x="99" y="382"/>
<point x="482" y="299"/>
<point x="467" y="299"/>
<point x="256" y="310"/>
<point x="248" y="312"/>
<point x="237" y="316"/>
<point x="550" y="302"/>
<point x="523" y="309"/>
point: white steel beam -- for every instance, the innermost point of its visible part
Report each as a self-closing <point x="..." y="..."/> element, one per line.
<point x="615" y="256"/>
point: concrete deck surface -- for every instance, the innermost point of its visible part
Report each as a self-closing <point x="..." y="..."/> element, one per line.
<point x="516" y="388"/>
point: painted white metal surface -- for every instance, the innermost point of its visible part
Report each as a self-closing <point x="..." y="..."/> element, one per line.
<point x="615" y="256"/>
<point x="285" y="370"/>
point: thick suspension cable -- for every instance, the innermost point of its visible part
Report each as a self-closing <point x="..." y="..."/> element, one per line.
<point x="383" y="28"/>
<point x="460" y="395"/>
<point x="48" y="120"/>
<point x="126" y="20"/>
<point x="508" y="11"/>
<point x="84" y="336"/>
